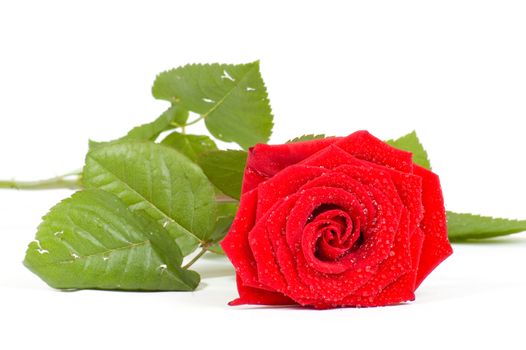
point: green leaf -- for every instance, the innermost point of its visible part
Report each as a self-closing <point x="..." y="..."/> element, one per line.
<point x="411" y="143"/>
<point x="231" y="98"/>
<point x="191" y="146"/>
<point x="159" y="180"/>
<point x="226" y="213"/>
<point x="171" y="118"/>
<point x="463" y="227"/>
<point x="225" y="170"/>
<point x="308" y="137"/>
<point x="91" y="240"/>
<point x="150" y="131"/>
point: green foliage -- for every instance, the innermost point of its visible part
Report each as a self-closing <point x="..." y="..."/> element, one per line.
<point x="226" y="212"/>
<point x="159" y="180"/>
<point x="232" y="99"/>
<point x="192" y="146"/>
<point x="171" y="118"/>
<point x="225" y="170"/>
<point x="462" y="227"/>
<point x="92" y="240"/>
<point x="411" y="143"/>
<point x="308" y="137"/>
<point x="147" y="205"/>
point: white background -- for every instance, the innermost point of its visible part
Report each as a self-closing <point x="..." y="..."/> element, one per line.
<point x="453" y="70"/>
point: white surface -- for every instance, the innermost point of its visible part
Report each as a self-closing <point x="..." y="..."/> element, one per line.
<point x="452" y="70"/>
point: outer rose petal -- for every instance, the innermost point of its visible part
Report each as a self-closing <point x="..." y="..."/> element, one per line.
<point x="269" y="272"/>
<point x="363" y="145"/>
<point x="235" y="244"/>
<point x="407" y="282"/>
<point x="264" y="161"/>
<point x="402" y="289"/>
<point x="270" y="159"/>
<point x="249" y="295"/>
<point x="251" y="179"/>
<point x="436" y="245"/>
<point x="409" y="188"/>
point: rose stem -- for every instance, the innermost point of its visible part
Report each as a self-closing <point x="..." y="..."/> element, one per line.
<point x="195" y="258"/>
<point x="69" y="181"/>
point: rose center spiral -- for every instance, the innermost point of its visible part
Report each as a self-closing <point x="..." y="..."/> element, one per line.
<point x="335" y="233"/>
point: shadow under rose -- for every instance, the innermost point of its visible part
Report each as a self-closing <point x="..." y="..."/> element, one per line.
<point x="304" y="308"/>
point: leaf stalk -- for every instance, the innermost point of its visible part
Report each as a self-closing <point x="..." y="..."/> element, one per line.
<point x="68" y="181"/>
<point x="204" y="249"/>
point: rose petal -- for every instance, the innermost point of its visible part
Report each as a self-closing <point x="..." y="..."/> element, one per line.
<point x="435" y="247"/>
<point x="337" y="225"/>
<point x="269" y="273"/>
<point x="397" y="264"/>
<point x="338" y="179"/>
<point x="402" y="289"/>
<point x="268" y="160"/>
<point x="364" y="261"/>
<point x="251" y="179"/>
<point x="295" y="288"/>
<point x="284" y="183"/>
<point x="407" y="281"/>
<point x="331" y="157"/>
<point x="308" y="243"/>
<point x="409" y="188"/>
<point x="235" y="244"/>
<point x="363" y="145"/>
<point x="375" y="177"/>
<point x="255" y="296"/>
<point x="313" y="198"/>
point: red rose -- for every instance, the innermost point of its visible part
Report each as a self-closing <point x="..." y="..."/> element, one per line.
<point x="335" y="222"/>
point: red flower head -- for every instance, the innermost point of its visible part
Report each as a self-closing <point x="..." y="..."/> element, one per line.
<point x="335" y="222"/>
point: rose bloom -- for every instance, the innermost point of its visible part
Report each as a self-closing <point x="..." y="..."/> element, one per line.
<point x="335" y="222"/>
